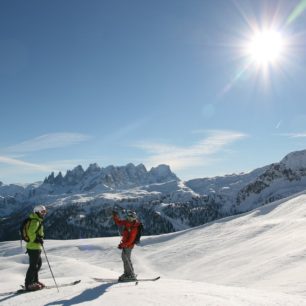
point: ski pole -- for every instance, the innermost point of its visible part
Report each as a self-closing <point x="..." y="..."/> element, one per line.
<point x="50" y="268"/>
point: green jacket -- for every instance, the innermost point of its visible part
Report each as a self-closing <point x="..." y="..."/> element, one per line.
<point x="33" y="233"/>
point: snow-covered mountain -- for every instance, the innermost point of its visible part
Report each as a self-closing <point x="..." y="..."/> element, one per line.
<point x="107" y="179"/>
<point x="81" y="201"/>
<point x="279" y="180"/>
<point x="255" y="259"/>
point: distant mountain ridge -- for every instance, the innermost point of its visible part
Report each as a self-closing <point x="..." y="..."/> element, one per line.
<point x="80" y="202"/>
<point x="111" y="177"/>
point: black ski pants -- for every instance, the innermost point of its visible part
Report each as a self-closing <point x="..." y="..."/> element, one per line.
<point x="35" y="265"/>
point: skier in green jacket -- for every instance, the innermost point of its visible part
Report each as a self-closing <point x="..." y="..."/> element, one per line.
<point x="35" y="232"/>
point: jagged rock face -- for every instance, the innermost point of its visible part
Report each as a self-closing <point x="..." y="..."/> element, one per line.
<point x="161" y="174"/>
<point x="73" y="177"/>
<point x="278" y="181"/>
<point x="111" y="177"/>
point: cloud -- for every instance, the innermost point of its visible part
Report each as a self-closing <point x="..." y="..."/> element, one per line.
<point x="17" y="170"/>
<point x="49" y="141"/>
<point x="294" y="135"/>
<point x="124" y="131"/>
<point x="278" y="124"/>
<point x="184" y="157"/>
<point x="18" y="162"/>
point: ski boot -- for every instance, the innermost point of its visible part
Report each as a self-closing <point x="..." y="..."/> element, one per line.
<point x="127" y="278"/>
<point x="33" y="287"/>
<point x="42" y="285"/>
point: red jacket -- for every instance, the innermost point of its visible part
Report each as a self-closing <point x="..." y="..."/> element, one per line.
<point x="129" y="233"/>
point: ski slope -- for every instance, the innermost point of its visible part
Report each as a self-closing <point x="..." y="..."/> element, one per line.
<point x="258" y="258"/>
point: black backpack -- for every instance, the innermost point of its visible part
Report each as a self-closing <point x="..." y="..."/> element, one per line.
<point x="139" y="233"/>
<point x="24" y="228"/>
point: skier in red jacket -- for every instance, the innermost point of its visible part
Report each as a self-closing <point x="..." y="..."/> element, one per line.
<point x="129" y="233"/>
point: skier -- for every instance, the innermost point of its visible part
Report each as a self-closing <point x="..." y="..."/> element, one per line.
<point x="35" y="233"/>
<point x="129" y="233"/>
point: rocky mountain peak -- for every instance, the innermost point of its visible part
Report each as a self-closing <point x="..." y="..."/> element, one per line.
<point x="162" y="173"/>
<point x="295" y="160"/>
<point x="73" y="176"/>
<point x="112" y="176"/>
<point x="93" y="168"/>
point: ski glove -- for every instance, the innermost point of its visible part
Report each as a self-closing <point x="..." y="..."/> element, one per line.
<point x="120" y="247"/>
<point x="39" y="240"/>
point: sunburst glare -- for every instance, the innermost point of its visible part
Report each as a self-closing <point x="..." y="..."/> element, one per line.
<point x="266" y="47"/>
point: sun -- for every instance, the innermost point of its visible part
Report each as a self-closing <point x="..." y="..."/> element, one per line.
<point x="266" y="47"/>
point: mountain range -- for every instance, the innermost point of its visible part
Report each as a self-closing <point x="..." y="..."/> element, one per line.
<point x="80" y="202"/>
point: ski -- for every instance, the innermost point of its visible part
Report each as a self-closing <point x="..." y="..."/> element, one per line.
<point x="64" y="285"/>
<point x="21" y="291"/>
<point x="148" y="279"/>
<point x="115" y="280"/>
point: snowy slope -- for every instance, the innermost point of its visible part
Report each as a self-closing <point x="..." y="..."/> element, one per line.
<point x="254" y="259"/>
<point x="227" y="184"/>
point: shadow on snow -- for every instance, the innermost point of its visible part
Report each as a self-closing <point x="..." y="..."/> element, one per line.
<point x="86" y="296"/>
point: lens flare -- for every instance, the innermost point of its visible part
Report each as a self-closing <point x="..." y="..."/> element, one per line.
<point x="266" y="47"/>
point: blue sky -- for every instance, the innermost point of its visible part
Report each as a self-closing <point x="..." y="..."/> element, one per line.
<point x="149" y="82"/>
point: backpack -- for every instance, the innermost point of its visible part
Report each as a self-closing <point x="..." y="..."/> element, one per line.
<point x="139" y="233"/>
<point x="24" y="229"/>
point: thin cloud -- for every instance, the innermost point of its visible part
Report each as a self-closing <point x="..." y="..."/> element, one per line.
<point x="22" y="167"/>
<point x="278" y="124"/>
<point x="18" y="162"/>
<point x="184" y="157"/>
<point x="124" y="131"/>
<point x="49" y="141"/>
<point x="294" y="135"/>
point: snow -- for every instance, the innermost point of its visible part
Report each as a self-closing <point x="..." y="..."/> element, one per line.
<point x="255" y="259"/>
<point x="295" y="160"/>
<point x="228" y="184"/>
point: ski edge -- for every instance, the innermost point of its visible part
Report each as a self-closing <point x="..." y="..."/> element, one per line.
<point x="21" y="291"/>
<point x="63" y="285"/>
<point x="148" y="279"/>
<point x="55" y="286"/>
<point x="113" y="280"/>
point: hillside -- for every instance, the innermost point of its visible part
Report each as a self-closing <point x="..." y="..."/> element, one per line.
<point x="254" y="259"/>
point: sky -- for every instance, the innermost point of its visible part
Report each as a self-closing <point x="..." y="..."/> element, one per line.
<point x="151" y="82"/>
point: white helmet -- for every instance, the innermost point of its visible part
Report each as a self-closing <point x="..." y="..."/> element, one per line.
<point x="131" y="215"/>
<point x="40" y="209"/>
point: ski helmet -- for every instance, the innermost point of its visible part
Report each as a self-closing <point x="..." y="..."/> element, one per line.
<point x="41" y="209"/>
<point x="131" y="215"/>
